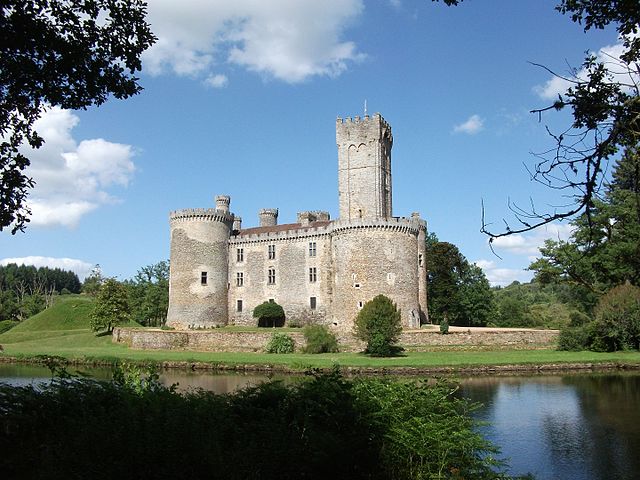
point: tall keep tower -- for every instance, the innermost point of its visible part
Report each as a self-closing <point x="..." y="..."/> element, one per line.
<point x="364" y="167"/>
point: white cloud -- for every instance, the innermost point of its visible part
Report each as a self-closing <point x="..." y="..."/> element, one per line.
<point x="290" y="40"/>
<point x="502" y="276"/>
<point x="528" y="244"/>
<point x="609" y="54"/>
<point x="79" y="267"/>
<point x="72" y="178"/>
<point x="216" y="81"/>
<point x="473" y="125"/>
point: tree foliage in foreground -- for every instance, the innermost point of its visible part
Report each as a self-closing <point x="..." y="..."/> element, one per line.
<point x="378" y="324"/>
<point x="604" y="99"/>
<point x="66" y="53"/>
<point x="604" y="248"/>
<point x="322" y="427"/>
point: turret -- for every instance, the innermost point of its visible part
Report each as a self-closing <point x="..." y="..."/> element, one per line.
<point x="199" y="266"/>
<point x="268" y="217"/>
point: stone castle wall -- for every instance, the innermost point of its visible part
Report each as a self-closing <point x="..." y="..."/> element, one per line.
<point x="293" y="288"/>
<point x="225" y="341"/>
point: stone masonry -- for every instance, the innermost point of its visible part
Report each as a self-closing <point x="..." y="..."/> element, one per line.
<point x="319" y="270"/>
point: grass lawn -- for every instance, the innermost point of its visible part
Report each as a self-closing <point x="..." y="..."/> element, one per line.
<point x="63" y="330"/>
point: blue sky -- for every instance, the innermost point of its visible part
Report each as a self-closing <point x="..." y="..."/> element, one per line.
<point x="241" y="98"/>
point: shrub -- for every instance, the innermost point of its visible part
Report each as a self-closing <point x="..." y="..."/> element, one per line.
<point x="444" y="327"/>
<point x="575" y="338"/>
<point x="280" y="343"/>
<point x="319" y="340"/>
<point x="617" y="320"/>
<point x="6" y="325"/>
<point x="378" y="324"/>
<point x="269" y="314"/>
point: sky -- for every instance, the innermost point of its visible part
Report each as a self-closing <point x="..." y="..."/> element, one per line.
<point x="241" y="97"/>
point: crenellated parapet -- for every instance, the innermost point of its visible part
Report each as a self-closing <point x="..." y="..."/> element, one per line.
<point x="411" y="225"/>
<point x="201" y="214"/>
<point x="291" y="235"/>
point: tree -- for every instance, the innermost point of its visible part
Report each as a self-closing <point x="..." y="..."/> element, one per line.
<point x="458" y="292"/>
<point x="604" y="249"/>
<point x="605" y="104"/>
<point x="378" y="324"/>
<point x="269" y="314"/>
<point x="67" y="53"/>
<point x="111" y="307"/>
<point x="149" y="294"/>
<point x="91" y="284"/>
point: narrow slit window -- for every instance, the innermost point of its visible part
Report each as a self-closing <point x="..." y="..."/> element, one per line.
<point x="312" y="303"/>
<point x="239" y="306"/>
<point x="203" y="278"/>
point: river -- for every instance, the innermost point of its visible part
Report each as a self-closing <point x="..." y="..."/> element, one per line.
<point x="574" y="426"/>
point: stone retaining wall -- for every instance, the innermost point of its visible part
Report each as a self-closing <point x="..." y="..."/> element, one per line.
<point x="219" y="340"/>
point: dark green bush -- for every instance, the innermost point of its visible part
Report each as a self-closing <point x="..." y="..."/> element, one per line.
<point x="617" y="320"/>
<point x="269" y="314"/>
<point x="6" y="325"/>
<point x="324" y="427"/>
<point x="319" y="340"/>
<point x="444" y="327"/>
<point x="575" y="338"/>
<point x="280" y="343"/>
<point x="378" y="324"/>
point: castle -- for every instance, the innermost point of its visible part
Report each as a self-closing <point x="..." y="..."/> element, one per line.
<point x="320" y="270"/>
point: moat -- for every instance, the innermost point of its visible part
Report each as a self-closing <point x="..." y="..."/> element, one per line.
<point x="574" y="426"/>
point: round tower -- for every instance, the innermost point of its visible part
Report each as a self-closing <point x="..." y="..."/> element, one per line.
<point x="372" y="258"/>
<point x="268" y="217"/>
<point x="199" y="266"/>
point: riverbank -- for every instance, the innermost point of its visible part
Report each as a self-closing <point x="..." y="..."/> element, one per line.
<point x="411" y="363"/>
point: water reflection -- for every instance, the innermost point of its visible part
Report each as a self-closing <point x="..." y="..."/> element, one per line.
<point x="574" y="426"/>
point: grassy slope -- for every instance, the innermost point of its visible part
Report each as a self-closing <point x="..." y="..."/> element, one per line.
<point x="64" y="330"/>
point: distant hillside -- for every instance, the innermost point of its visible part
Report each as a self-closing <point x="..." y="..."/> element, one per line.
<point x="70" y="312"/>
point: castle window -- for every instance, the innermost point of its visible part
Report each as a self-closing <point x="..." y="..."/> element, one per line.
<point x="312" y="303"/>
<point x="312" y="249"/>
<point x="420" y="260"/>
<point x="238" y="305"/>
<point x="271" y="276"/>
<point x="313" y="274"/>
<point x="356" y="285"/>
<point x="239" y="279"/>
<point x="272" y="252"/>
<point x="360" y="305"/>
<point x="203" y="278"/>
<point x="240" y="255"/>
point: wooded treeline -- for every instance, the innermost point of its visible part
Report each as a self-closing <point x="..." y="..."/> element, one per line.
<point x="26" y="290"/>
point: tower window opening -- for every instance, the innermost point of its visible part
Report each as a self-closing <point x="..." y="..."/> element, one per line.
<point x="240" y="255"/>
<point x="239" y="306"/>
<point x="272" y="252"/>
<point x="312" y="249"/>
<point x="239" y="279"/>
<point x="203" y="278"/>
<point x="313" y="276"/>
<point x="312" y="303"/>
<point x="420" y="260"/>
<point x="360" y="305"/>
<point x="271" y="276"/>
